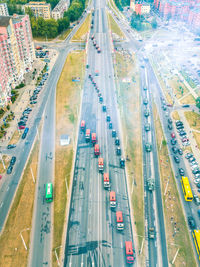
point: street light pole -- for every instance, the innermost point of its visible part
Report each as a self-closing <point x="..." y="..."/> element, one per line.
<point x="57" y="255"/>
<point x="23" y="238"/>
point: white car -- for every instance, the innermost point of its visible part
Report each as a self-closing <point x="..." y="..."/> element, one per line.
<point x="194" y="166"/>
<point x="196" y="181"/>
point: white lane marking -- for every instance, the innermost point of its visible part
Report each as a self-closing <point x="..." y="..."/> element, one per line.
<point x="82" y="261"/>
<point x="7" y="188"/>
<point x="70" y="261"/>
<point x="1" y="204"/>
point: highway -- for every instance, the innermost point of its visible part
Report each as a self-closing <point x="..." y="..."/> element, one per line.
<point x="92" y="238"/>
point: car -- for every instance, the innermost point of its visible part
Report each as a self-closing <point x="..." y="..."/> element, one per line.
<point x="196" y="200"/>
<point x="179" y="123"/>
<point x="181" y="171"/>
<point x="179" y="127"/>
<point x="146" y="113"/>
<point x="11" y="146"/>
<point x="9" y="170"/>
<point x="104" y="108"/>
<point x="174" y="149"/>
<point x="147" y="127"/>
<point x="186" y="106"/>
<point x="33" y="98"/>
<point x="164" y="107"/>
<point x="110" y="125"/>
<point x="195" y="171"/>
<point x="192" y="159"/>
<point x="145" y="101"/>
<point x="194" y="166"/>
<point x="118" y="151"/>
<point x="198" y="185"/>
<point x="180" y="151"/>
<point x="173" y="141"/>
<point x="182" y="133"/>
<point x="197" y="175"/>
<point x="191" y="222"/>
<point x="148" y="147"/>
<point x="184" y="139"/>
<point x="169" y="126"/>
<point x="196" y="181"/>
<point x="21" y="123"/>
<point x="198" y="213"/>
<point x="169" y="121"/>
<point x="21" y="127"/>
<point x="176" y="159"/>
<point x="33" y="102"/>
<point x="188" y="155"/>
<point x="13" y="160"/>
<point x="173" y="135"/>
<point x="108" y="118"/>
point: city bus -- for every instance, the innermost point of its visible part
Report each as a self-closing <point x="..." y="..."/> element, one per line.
<point x="196" y="236"/>
<point x="129" y="252"/>
<point x="120" y="223"/>
<point x="49" y="192"/>
<point x="112" y="199"/>
<point x="187" y="192"/>
<point x="94" y="139"/>
<point x="82" y="125"/>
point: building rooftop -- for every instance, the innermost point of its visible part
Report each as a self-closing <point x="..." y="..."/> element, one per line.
<point x="4" y="21"/>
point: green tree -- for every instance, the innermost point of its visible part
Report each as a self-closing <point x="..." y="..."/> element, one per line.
<point x="51" y="28"/>
<point x="63" y="24"/>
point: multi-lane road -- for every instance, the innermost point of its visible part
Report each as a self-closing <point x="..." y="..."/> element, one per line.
<point x="92" y="238"/>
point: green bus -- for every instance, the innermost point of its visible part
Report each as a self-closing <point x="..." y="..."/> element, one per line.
<point x="49" y="192"/>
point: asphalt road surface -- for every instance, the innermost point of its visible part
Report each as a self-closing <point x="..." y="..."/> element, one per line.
<point x="92" y="238"/>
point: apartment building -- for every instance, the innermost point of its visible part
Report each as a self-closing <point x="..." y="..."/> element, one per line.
<point x="184" y="10"/>
<point x="59" y="9"/>
<point x="3" y="9"/>
<point x="40" y="9"/>
<point x="140" y="8"/>
<point x="16" y="53"/>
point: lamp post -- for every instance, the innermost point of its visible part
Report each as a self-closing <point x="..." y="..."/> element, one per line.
<point x="57" y="255"/>
<point x="23" y="238"/>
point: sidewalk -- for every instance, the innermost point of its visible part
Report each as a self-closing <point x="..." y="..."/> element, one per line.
<point x="23" y="99"/>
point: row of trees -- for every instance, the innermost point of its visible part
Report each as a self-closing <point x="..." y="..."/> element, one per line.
<point x="138" y="22"/>
<point x="122" y="3"/>
<point x="51" y="28"/>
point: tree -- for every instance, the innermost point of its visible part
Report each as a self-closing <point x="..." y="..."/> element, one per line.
<point x="198" y="102"/>
<point x="154" y="23"/>
<point x="63" y="24"/>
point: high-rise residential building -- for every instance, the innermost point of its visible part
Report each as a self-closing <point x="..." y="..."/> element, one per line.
<point x="185" y="10"/>
<point x="16" y="53"/>
<point x="39" y="9"/>
<point x="59" y="9"/>
<point x="3" y="9"/>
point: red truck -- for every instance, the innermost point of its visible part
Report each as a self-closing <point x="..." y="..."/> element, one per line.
<point x="100" y="164"/>
<point x="129" y="252"/>
<point x="96" y="150"/>
<point x="106" y="181"/>
<point x="87" y="135"/>
<point x="82" y="125"/>
<point x="112" y="199"/>
<point x="119" y="218"/>
<point x="94" y="139"/>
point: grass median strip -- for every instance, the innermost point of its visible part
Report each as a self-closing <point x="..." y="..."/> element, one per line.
<point x="116" y="31"/>
<point x="81" y="34"/>
<point x="129" y="104"/>
<point x="68" y="96"/>
<point x="19" y="220"/>
<point x="177" y="233"/>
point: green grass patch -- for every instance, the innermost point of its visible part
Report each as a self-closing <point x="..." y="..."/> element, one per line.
<point x="115" y="28"/>
<point x="188" y="79"/>
<point x="64" y="35"/>
<point x="81" y="34"/>
<point x="193" y="119"/>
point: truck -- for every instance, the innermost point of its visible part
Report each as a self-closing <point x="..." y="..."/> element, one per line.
<point x="106" y="180"/>
<point x="150" y="184"/>
<point x="96" y="150"/>
<point x="94" y="139"/>
<point x="129" y="252"/>
<point x="120" y="222"/>
<point x="87" y="135"/>
<point x="151" y="232"/>
<point x="100" y="164"/>
<point x="112" y="199"/>
<point x="83" y="125"/>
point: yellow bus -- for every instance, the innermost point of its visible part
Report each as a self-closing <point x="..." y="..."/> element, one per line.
<point x="186" y="189"/>
<point x="196" y="236"/>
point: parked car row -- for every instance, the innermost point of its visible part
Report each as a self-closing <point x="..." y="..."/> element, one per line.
<point x="183" y="135"/>
<point x="194" y="168"/>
